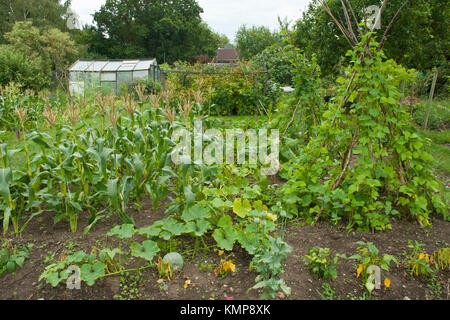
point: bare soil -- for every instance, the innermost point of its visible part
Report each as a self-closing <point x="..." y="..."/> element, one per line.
<point x="54" y="240"/>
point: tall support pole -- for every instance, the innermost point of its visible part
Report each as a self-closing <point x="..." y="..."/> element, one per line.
<point x="430" y="100"/>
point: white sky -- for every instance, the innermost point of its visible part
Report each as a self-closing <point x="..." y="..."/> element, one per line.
<point x="223" y="16"/>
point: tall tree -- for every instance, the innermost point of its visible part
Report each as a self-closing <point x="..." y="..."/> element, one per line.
<point x="169" y="30"/>
<point x="51" y="48"/>
<point x="417" y="39"/>
<point x="209" y="41"/>
<point x="251" y="41"/>
<point x="43" y="13"/>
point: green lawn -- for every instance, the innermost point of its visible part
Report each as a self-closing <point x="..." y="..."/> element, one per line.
<point x="439" y="148"/>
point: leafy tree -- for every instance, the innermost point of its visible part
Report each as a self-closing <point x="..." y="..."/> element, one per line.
<point x="169" y="30"/>
<point x="59" y="47"/>
<point x="251" y="41"/>
<point x="30" y="55"/>
<point x="25" y="38"/>
<point x="418" y="38"/>
<point x="91" y="44"/>
<point x="277" y="62"/>
<point x="54" y="49"/>
<point x="209" y="41"/>
<point x="221" y="40"/>
<point x="44" y="13"/>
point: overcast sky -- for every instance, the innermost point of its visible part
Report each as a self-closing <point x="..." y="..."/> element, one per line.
<point x="223" y="16"/>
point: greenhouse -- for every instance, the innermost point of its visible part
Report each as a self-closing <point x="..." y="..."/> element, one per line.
<point x="112" y="75"/>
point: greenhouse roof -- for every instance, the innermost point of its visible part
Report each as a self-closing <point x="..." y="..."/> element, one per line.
<point x="112" y="65"/>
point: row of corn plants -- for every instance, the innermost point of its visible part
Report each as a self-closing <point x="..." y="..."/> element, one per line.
<point x="87" y="169"/>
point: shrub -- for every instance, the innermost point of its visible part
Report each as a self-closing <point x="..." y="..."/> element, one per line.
<point x="232" y="91"/>
<point x="16" y="67"/>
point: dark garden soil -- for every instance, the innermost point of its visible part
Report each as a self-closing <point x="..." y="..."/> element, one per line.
<point x="55" y="240"/>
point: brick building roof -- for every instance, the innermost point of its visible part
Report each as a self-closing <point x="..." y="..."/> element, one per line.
<point x="224" y="54"/>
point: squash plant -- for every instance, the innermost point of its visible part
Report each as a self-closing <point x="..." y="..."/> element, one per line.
<point x="12" y="257"/>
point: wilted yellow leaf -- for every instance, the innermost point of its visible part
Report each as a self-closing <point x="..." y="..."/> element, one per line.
<point x="387" y="282"/>
<point x="217" y="270"/>
<point x="187" y="283"/>
<point x="228" y="265"/>
<point x="359" y="270"/>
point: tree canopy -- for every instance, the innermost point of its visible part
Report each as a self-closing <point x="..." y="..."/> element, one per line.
<point x="253" y="40"/>
<point x="169" y="30"/>
<point x="54" y="49"/>
<point x="43" y="13"/>
<point x="418" y="38"/>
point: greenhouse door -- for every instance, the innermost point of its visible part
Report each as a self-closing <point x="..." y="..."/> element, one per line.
<point x="123" y="78"/>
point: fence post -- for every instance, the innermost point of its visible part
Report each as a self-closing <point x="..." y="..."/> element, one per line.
<point x="163" y="79"/>
<point x="430" y="100"/>
<point x="266" y="80"/>
<point x="413" y="89"/>
<point x="184" y="78"/>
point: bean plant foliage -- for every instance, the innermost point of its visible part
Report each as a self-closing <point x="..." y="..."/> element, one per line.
<point x="367" y="163"/>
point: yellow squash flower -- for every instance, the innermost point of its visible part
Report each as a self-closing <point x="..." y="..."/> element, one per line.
<point x="387" y="282"/>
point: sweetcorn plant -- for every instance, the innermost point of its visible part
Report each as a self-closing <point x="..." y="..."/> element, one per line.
<point x="95" y="170"/>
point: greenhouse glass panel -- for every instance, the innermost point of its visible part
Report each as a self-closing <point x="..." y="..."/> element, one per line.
<point x="98" y="66"/>
<point x="95" y="78"/>
<point x="76" y="87"/>
<point x="140" y="75"/>
<point x="127" y="67"/>
<point x="81" y="65"/>
<point x="109" y="76"/>
<point x="112" y="66"/>
<point x="74" y="76"/>
<point x="152" y="73"/>
<point x="108" y="87"/>
<point x="86" y="77"/>
<point x="144" y="65"/>
<point x="123" y="78"/>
